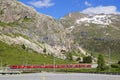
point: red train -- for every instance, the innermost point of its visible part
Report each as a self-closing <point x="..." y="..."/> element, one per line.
<point x="50" y="66"/>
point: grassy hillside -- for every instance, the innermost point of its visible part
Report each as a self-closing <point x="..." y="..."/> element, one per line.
<point x="17" y="55"/>
<point x="97" y="40"/>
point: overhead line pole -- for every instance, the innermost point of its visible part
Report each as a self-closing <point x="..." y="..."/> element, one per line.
<point x="1" y="64"/>
<point x="54" y="63"/>
<point x="109" y="59"/>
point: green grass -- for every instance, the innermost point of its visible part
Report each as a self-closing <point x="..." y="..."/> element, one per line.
<point x="13" y="24"/>
<point x="78" y="70"/>
<point x="17" y="55"/>
<point x="27" y="19"/>
<point x="114" y="57"/>
<point x="91" y="70"/>
<point x="95" y="38"/>
<point x="1" y="12"/>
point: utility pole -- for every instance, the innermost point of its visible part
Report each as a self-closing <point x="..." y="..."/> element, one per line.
<point x="26" y="61"/>
<point x="54" y="63"/>
<point x="1" y="63"/>
<point x="109" y="60"/>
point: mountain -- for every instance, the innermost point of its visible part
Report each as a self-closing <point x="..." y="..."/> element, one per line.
<point x="94" y="33"/>
<point x="22" y="25"/>
<point x="76" y="32"/>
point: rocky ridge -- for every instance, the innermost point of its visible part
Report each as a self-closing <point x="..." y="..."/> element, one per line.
<point x="20" y="24"/>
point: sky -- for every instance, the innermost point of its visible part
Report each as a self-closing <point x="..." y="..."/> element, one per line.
<point x="60" y="8"/>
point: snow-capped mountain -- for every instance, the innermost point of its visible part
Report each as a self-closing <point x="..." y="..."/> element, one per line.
<point x="94" y="32"/>
<point x="78" y="18"/>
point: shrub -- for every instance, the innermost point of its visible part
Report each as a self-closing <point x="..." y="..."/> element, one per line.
<point x="23" y="46"/>
<point x="101" y="63"/>
<point x="119" y="62"/>
<point x="44" y="50"/>
<point x="87" y="59"/>
<point x="115" y="65"/>
<point x="105" y="67"/>
<point x="78" y="59"/>
<point x="69" y="56"/>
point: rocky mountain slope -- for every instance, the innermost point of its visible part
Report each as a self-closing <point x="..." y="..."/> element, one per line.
<point x="20" y="24"/>
<point x="95" y="33"/>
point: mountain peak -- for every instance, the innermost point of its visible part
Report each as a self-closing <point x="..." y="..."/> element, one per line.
<point x="74" y="15"/>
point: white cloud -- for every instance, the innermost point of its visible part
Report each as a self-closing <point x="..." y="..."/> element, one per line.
<point x="87" y="3"/>
<point x="101" y="9"/>
<point x="42" y="3"/>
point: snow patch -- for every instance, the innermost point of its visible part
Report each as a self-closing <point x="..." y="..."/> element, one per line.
<point x="70" y="28"/>
<point x="97" y="19"/>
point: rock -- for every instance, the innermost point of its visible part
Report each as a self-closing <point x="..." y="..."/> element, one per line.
<point x="23" y="23"/>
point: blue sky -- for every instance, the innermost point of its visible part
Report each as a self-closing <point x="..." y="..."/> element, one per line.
<point x="59" y="8"/>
